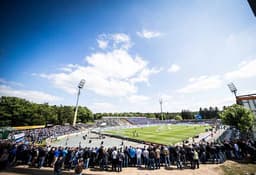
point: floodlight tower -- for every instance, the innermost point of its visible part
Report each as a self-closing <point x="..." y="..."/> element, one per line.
<point x="232" y="88"/>
<point x="161" y="107"/>
<point x="80" y="86"/>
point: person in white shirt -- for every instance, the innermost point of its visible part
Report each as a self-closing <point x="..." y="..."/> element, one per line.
<point x="145" y="156"/>
<point x="114" y="159"/>
<point x="138" y="156"/>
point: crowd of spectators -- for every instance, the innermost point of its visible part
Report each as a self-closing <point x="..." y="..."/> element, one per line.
<point x="40" y="134"/>
<point x="115" y="158"/>
<point x="112" y="121"/>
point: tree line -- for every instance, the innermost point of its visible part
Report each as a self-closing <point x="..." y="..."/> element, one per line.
<point x="20" y="112"/>
<point x="206" y="113"/>
<point x="163" y="116"/>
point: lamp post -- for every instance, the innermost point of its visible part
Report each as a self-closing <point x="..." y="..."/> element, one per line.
<point x="80" y="86"/>
<point x="161" y="104"/>
<point x="233" y="89"/>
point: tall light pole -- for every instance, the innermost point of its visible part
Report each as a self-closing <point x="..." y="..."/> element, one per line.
<point x="80" y="86"/>
<point x="233" y="89"/>
<point x="161" y="104"/>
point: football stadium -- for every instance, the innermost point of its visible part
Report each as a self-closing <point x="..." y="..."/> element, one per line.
<point x="127" y="87"/>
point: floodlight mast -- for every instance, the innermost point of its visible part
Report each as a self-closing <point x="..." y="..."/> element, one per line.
<point x="233" y="89"/>
<point x="161" y="107"/>
<point x="80" y="86"/>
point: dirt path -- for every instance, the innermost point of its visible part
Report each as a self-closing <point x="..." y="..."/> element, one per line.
<point x="204" y="170"/>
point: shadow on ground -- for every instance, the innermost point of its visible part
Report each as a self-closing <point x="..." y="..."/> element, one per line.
<point x="34" y="171"/>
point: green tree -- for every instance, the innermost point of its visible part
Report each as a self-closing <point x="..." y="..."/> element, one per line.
<point x="20" y="112"/>
<point x="238" y="116"/>
<point x="151" y="115"/>
<point x="186" y="114"/>
<point x="84" y="114"/>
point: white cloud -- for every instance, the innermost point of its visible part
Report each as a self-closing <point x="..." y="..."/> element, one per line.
<point x="11" y="83"/>
<point x="64" y="69"/>
<point x="174" y="68"/>
<point x="148" y="34"/>
<point x="103" y="107"/>
<point x="138" y="99"/>
<point x="114" y="41"/>
<point x="192" y="79"/>
<point x="102" y="44"/>
<point x="116" y="64"/>
<point x="120" y="38"/>
<point x="143" y="76"/>
<point x="249" y="91"/>
<point x="113" y="73"/>
<point x="176" y="102"/>
<point x="35" y="96"/>
<point x="202" y="83"/>
<point x="246" y="69"/>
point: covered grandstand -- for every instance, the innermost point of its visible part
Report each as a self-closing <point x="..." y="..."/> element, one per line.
<point x="248" y="101"/>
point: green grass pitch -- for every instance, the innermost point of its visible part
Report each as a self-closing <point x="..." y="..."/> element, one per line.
<point x="163" y="134"/>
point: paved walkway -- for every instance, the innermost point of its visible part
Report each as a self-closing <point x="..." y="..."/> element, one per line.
<point x="93" y="140"/>
<point x="206" y="136"/>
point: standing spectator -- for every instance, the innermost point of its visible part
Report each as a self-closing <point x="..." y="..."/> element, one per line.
<point x="55" y="155"/>
<point x="120" y="160"/>
<point x="195" y="160"/>
<point x="178" y="158"/>
<point x="126" y="157"/>
<point x="132" y="155"/>
<point x="101" y="157"/>
<point x="105" y="159"/>
<point x="172" y="154"/>
<point x="64" y="154"/>
<point x="58" y="165"/>
<point x="203" y="153"/>
<point x="138" y="156"/>
<point x="190" y="156"/>
<point x="166" y="156"/>
<point x="114" y="159"/>
<point x="236" y="151"/>
<point x="67" y="161"/>
<point x="93" y="156"/>
<point x="4" y="159"/>
<point x="146" y="157"/>
<point x="151" y="159"/>
<point x="41" y="156"/>
<point x="157" y="151"/>
<point x="86" y="157"/>
<point x="12" y="155"/>
<point x="35" y="154"/>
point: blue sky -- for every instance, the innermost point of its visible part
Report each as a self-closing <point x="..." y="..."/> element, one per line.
<point x="131" y="53"/>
